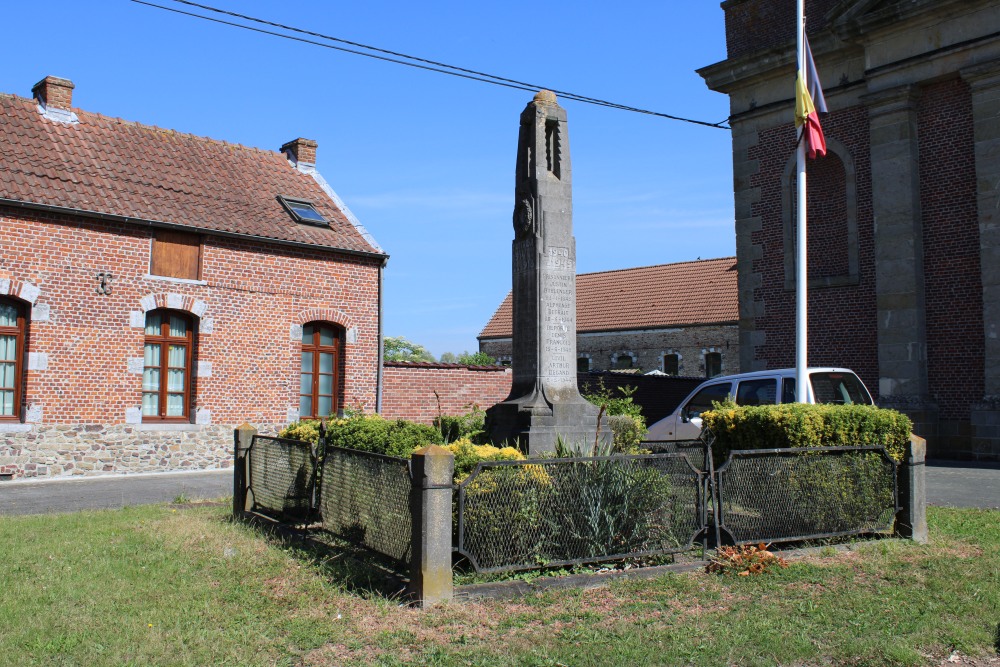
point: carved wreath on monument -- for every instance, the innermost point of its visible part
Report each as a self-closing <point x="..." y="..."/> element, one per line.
<point x="524" y="218"/>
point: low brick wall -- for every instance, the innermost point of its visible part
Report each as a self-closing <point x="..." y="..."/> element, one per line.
<point x="408" y="389"/>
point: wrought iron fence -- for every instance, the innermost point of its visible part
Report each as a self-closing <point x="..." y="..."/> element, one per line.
<point x="365" y="498"/>
<point x="779" y="495"/>
<point x="281" y="477"/>
<point x="515" y="515"/>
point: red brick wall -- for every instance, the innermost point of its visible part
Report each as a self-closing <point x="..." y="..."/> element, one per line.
<point x="408" y="389"/>
<point x="952" y="282"/>
<point x="842" y="323"/>
<point x="254" y="293"/>
<point x="755" y="25"/>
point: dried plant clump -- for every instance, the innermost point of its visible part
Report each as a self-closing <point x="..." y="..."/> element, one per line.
<point x="744" y="560"/>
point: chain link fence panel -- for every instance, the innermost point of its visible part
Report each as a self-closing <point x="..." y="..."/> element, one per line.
<point x="781" y="495"/>
<point x="365" y="499"/>
<point x="515" y="515"/>
<point x="281" y="479"/>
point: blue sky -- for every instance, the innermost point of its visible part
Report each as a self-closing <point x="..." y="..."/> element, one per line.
<point x="426" y="161"/>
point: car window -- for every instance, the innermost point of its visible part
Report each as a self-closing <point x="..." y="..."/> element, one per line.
<point x="839" y="388"/>
<point x="703" y="399"/>
<point x="757" y="392"/>
<point x="788" y="390"/>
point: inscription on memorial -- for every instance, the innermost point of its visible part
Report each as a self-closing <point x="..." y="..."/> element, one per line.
<point x="524" y="256"/>
<point x="558" y="316"/>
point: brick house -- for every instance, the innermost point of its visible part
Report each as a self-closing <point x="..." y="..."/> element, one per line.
<point x="158" y="289"/>
<point x="679" y="319"/>
<point x="904" y="239"/>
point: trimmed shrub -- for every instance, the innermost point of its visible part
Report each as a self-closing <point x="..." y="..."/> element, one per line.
<point x="368" y="433"/>
<point x="827" y="496"/>
<point x="801" y="425"/>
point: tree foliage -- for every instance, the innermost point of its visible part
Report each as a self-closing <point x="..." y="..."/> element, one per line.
<point x="397" y="348"/>
<point x="476" y="359"/>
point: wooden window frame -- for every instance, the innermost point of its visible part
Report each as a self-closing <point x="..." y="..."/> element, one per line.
<point x="316" y="348"/>
<point x="19" y="331"/>
<point x="165" y="340"/>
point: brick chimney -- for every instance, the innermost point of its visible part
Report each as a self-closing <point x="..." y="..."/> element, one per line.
<point x="54" y="92"/>
<point x="301" y="151"/>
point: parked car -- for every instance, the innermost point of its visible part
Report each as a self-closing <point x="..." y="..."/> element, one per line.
<point x="829" y="385"/>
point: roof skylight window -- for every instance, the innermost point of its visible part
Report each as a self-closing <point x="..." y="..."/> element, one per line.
<point x="303" y="211"/>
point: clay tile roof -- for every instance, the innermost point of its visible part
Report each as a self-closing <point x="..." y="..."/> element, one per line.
<point x="647" y="297"/>
<point x="110" y="166"/>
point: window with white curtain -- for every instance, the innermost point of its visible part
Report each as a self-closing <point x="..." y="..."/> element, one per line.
<point x="166" y="375"/>
<point x="12" y="326"/>
<point x="319" y="377"/>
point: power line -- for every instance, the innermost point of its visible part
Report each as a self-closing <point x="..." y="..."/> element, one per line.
<point x="404" y="59"/>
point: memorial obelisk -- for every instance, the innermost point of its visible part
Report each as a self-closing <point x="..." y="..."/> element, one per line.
<point x="544" y="402"/>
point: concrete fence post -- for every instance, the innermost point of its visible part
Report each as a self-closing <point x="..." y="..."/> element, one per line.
<point x="242" y="439"/>
<point x="911" y="521"/>
<point x="430" y="506"/>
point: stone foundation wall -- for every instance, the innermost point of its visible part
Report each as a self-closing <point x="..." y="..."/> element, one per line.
<point x="60" y="450"/>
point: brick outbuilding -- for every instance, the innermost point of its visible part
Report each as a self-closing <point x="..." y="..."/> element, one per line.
<point x="678" y="319"/>
<point x="904" y="211"/>
<point x="158" y="289"/>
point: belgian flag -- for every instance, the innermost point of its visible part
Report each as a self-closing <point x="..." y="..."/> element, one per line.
<point x="809" y="104"/>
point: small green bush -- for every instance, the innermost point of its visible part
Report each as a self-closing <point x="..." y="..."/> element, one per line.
<point x="471" y="425"/>
<point x="802" y="425"/>
<point x="616" y="405"/>
<point x="467" y="455"/>
<point x="623" y="416"/>
<point x="628" y="432"/>
<point x="306" y="430"/>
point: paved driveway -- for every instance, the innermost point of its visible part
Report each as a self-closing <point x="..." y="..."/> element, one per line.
<point x="961" y="484"/>
<point x="70" y="495"/>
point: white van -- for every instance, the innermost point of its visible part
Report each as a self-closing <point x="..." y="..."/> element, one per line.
<point x="829" y="385"/>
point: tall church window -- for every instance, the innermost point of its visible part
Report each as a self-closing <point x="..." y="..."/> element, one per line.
<point x="832" y="210"/>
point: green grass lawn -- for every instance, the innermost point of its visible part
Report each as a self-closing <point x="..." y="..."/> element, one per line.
<point x="159" y="586"/>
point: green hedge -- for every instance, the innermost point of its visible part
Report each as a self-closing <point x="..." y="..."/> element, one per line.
<point x="368" y="433"/>
<point x="802" y="425"/>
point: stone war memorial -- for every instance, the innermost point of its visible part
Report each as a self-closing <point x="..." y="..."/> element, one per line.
<point x="544" y="404"/>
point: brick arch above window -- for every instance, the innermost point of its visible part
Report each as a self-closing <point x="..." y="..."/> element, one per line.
<point x="174" y="301"/>
<point x="20" y="289"/>
<point x="331" y="315"/>
<point x="837" y="175"/>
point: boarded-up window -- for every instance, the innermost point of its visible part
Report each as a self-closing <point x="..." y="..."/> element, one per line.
<point x="176" y="254"/>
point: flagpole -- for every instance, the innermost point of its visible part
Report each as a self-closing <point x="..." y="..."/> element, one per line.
<point x="801" y="319"/>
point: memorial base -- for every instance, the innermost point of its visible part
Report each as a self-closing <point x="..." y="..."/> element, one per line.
<point x="534" y="426"/>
